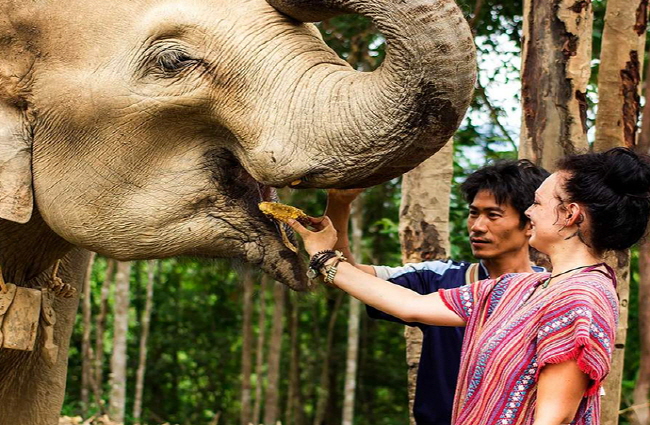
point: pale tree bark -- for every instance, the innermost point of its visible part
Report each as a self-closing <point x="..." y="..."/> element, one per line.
<point x="323" y="390"/>
<point x="86" y="348"/>
<point x="259" y="351"/>
<point x="294" y="414"/>
<point x="619" y="106"/>
<point x="610" y="402"/>
<point x="144" y="337"/>
<point x="247" y="342"/>
<point x="354" y="316"/>
<point x="100" y="326"/>
<point x="641" y="395"/>
<point x="619" y="76"/>
<point x="424" y="233"/>
<point x="275" y="351"/>
<point x="555" y="70"/>
<point x="117" y="400"/>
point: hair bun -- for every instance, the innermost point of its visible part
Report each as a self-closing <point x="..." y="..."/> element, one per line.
<point x="627" y="173"/>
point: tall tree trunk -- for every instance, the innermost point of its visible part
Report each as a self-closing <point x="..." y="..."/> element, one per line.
<point x="324" y="390"/>
<point x="610" y="403"/>
<point x="619" y="106"/>
<point x="100" y="326"/>
<point x="294" y="413"/>
<point x="275" y="351"/>
<point x="86" y="349"/>
<point x="247" y="340"/>
<point x="117" y="401"/>
<point x="144" y="336"/>
<point x="641" y="394"/>
<point x="424" y="233"/>
<point x="621" y="62"/>
<point x="555" y="70"/>
<point x="353" y="321"/>
<point x="259" y="351"/>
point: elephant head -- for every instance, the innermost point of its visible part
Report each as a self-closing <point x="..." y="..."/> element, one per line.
<point x="152" y="128"/>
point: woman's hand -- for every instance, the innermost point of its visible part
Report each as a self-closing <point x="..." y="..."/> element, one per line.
<point x="322" y="238"/>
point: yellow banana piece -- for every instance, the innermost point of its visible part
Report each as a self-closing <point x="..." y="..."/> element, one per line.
<point x="282" y="212"/>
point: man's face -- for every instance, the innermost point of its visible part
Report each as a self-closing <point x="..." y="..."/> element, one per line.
<point x="494" y="229"/>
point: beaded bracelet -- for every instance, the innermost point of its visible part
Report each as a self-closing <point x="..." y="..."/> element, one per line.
<point x="330" y="271"/>
<point x="317" y="262"/>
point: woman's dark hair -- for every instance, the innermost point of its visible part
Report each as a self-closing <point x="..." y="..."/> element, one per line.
<point x="510" y="182"/>
<point x="614" y="187"/>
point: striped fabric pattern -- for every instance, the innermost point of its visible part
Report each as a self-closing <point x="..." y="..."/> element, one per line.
<point x="515" y="327"/>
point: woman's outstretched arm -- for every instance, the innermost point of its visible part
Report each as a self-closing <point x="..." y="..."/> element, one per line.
<point x="393" y="299"/>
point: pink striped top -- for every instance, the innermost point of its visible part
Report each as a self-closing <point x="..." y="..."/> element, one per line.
<point x="514" y="329"/>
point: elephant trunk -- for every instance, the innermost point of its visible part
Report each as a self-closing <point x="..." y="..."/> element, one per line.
<point x="369" y="127"/>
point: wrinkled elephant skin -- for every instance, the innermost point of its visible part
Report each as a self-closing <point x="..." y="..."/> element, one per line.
<point x="149" y="129"/>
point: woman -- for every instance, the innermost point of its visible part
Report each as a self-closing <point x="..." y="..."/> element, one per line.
<point x="537" y="345"/>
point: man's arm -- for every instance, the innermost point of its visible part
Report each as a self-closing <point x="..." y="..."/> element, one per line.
<point x="560" y="389"/>
<point x="339" y="204"/>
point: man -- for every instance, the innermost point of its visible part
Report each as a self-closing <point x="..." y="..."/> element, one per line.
<point x="498" y="195"/>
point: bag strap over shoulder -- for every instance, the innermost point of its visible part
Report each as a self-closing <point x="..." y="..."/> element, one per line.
<point x="471" y="275"/>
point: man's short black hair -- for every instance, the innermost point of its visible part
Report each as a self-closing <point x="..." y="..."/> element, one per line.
<point x="511" y="182"/>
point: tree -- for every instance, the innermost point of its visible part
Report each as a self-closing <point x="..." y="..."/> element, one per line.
<point x="294" y="411"/>
<point x="641" y="394"/>
<point x="275" y="352"/>
<point x="86" y="349"/>
<point x="619" y="77"/>
<point x="424" y="232"/>
<point x="351" y="363"/>
<point x="117" y="401"/>
<point x="259" y="351"/>
<point x="619" y="106"/>
<point x="247" y="342"/>
<point x="324" y="388"/>
<point x="556" y="66"/>
<point x="100" y="324"/>
<point x="144" y="337"/>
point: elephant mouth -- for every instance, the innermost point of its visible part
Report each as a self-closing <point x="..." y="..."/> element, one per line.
<point x="288" y="236"/>
<point x="281" y="256"/>
<point x="262" y="241"/>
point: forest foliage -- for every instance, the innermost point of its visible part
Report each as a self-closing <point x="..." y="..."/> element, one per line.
<point x="193" y="370"/>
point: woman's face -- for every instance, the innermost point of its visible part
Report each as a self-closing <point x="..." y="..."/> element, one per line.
<point x="546" y="216"/>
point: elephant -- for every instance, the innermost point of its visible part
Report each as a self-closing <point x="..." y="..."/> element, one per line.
<point x="142" y="129"/>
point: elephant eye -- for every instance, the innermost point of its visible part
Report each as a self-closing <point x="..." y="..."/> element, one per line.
<point x="171" y="61"/>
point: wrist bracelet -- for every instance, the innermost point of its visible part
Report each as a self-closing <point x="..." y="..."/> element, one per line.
<point x="317" y="262"/>
<point x="330" y="271"/>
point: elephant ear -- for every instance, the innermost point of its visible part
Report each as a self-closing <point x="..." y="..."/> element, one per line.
<point x="16" y="197"/>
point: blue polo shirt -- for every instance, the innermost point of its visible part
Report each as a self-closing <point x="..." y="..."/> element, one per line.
<point x="441" y="345"/>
